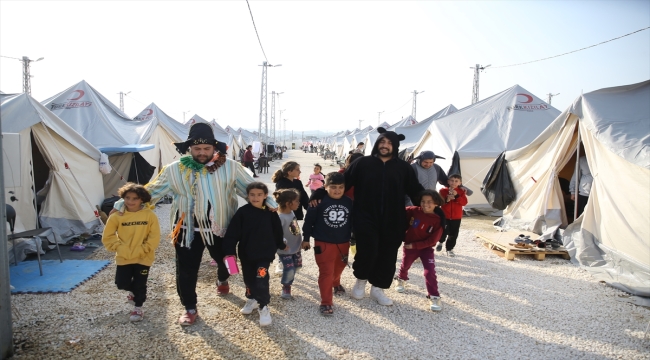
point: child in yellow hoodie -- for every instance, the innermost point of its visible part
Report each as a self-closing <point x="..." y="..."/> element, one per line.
<point x="134" y="236"/>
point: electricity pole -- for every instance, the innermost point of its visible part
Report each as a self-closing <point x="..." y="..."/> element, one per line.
<point x="122" y="99"/>
<point x="550" y="97"/>
<point x="27" y="82"/>
<point x="185" y="112"/>
<point x="360" y="121"/>
<point x="272" y="135"/>
<point x="477" y="70"/>
<point x="263" y="124"/>
<point x="379" y="117"/>
<point x="415" y="95"/>
<point x="285" y="132"/>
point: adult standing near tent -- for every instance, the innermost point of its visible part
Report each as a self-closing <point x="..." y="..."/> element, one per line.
<point x="249" y="159"/>
<point x="584" y="184"/>
<point x="429" y="173"/>
<point x="204" y="189"/>
<point x="380" y="182"/>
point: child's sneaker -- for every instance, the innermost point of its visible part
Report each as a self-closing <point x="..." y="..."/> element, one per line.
<point x="249" y="306"/>
<point x="339" y="290"/>
<point x="401" y="285"/>
<point x="265" y="316"/>
<point x="223" y="288"/>
<point x="130" y="298"/>
<point x="286" y="292"/>
<point x="439" y="247"/>
<point x="188" y="318"/>
<point x="137" y="314"/>
<point x="213" y="262"/>
<point x="450" y="253"/>
<point x="435" y="304"/>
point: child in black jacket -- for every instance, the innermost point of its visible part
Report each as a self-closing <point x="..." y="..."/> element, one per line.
<point x="259" y="234"/>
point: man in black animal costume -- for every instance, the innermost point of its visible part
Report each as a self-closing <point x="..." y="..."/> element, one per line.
<point x="380" y="180"/>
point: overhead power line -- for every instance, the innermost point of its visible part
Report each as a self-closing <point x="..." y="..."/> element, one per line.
<point x="258" y="35"/>
<point x="571" y="52"/>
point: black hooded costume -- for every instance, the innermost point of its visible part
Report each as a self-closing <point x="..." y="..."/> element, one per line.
<point x="379" y="215"/>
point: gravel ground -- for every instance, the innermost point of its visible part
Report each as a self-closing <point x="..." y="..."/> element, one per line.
<point x="492" y="308"/>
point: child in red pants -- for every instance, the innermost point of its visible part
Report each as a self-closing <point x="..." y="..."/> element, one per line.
<point x="330" y="225"/>
<point x="426" y="224"/>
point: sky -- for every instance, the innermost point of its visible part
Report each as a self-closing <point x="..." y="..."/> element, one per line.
<point x="342" y="61"/>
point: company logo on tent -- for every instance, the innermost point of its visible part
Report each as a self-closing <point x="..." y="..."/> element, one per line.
<point x="192" y="121"/>
<point x="146" y="114"/>
<point x="525" y="104"/>
<point x="73" y="104"/>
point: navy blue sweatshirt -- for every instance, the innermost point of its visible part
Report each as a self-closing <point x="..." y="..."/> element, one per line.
<point x="330" y="221"/>
<point x="258" y="232"/>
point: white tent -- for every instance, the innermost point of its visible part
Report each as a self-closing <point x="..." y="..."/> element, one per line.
<point x="107" y="128"/>
<point x="412" y="135"/>
<point x="58" y="170"/>
<point x="165" y="132"/>
<point x="480" y="132"/>
<point x="448" y="110"/>
<point x="612" y="237"/>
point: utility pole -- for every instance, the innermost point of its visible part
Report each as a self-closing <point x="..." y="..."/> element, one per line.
<point x="185" y="112"/>
<point x="550" y="97"/>
<point x="272" y="134"/>
<point x="379" y="117"/>
<point x="477" y="69"/>
<point x="273" y="117"/>
<point x="263" y="124"/>
<point x="122" y="99"/>
<point x="415" y="95"/>
<point x="6" y="331"/>
<point x="285" y="133"/>
<point x="360" y="121"/>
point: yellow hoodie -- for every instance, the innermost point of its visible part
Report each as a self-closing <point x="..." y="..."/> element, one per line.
<point x="133" y="236"/>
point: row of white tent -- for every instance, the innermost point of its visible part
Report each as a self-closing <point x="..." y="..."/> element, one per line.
<point x="612" y="237"/>
<point x="57" y="146"/>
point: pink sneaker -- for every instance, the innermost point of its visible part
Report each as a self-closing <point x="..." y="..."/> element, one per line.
<point x="136" y="315"/>
<point x="213" y="262"/>
<point x="188" y="318"/>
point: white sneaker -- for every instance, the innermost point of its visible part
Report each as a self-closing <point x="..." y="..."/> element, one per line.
<point x="265" y="316"/>
<point x="136" y="315"/>
<point x="435" y="304"/>
<point x="278" y="268"/>
<point x="401" y="285"/>
<point x="251" y="304"/>
<point x="381" y="298"/>
<point x="359" y="289"/>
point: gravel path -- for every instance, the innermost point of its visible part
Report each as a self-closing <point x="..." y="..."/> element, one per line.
<point x="492" y="308"/>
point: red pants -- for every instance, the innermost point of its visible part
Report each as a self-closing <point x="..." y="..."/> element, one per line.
<point x="330" y="266"/>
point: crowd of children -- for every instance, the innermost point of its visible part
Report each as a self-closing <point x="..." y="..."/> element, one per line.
<point x="257" y="234"/>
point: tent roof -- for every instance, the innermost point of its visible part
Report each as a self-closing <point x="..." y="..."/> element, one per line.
<point x="407" y="121"/>
<point x="508" y="120"/>
<point x="619" y="117"/>
<point x="94" y="117"/>
<point x="21" y="111"/>
<point x="449" y="109"/>
<point x="153" y="113"/>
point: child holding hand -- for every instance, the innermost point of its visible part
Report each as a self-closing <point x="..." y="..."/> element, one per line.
<point x="256" y="233"/>
<point x="426" y="225"/>
<point x="291" y="258"/>
<point x="133" y="235"/>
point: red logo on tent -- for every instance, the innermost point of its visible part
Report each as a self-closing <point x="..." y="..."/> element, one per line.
<point x="529" y="99"/>
<point x="145" y="115"/>
<point x="81" y="94"/>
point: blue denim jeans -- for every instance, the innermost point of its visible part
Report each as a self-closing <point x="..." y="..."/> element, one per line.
<point x="290" y="264"/>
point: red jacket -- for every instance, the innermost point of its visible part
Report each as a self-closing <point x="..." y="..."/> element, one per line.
<point x="424" y="229"/>
<point x="454" y="209"/>
<point x="248" y="156"/>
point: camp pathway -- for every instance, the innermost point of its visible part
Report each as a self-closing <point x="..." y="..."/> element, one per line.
<point x="492" y="309"/>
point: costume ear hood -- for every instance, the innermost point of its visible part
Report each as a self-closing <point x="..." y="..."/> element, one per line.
<point x="392" y="136"/>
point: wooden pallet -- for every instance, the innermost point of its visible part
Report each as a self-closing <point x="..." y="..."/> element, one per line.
<point x="499" y="243"/>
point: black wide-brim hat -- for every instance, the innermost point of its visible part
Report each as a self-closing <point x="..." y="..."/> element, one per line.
<point x="201" y="133"/>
